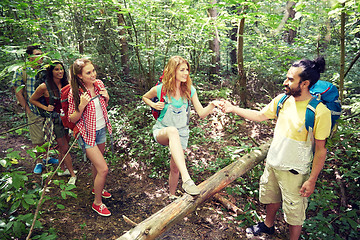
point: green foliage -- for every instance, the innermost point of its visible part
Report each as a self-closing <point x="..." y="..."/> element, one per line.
<point x="246" y="188"/>
<point x="329" y="218"/>
<point x="19" y="195"/>
<point x="133" y="135"/>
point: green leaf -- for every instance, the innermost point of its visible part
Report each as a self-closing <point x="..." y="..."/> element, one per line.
<point x="63" y="195"/>
<point x="71" y="194"/>
<point x="19" y="88"/>
<point x="60" y="206"/>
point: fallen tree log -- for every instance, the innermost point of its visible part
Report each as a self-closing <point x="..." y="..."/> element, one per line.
<point x="162" y="220"/>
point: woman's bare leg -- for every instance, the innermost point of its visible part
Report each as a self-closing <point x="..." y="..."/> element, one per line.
<point x="170" y="136"/>
<point x="101" y="170"/>
<point x="173" y="177"/>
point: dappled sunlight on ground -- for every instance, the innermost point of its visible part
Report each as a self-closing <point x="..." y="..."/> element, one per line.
<point x="158" y="194"/>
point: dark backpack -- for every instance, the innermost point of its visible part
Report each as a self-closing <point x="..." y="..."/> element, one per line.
<point x="322" y="91"/>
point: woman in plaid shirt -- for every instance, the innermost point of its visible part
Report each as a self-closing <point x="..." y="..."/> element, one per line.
<point x="88" y="100"/>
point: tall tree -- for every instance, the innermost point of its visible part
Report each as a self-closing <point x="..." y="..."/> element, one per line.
<point x="342" y="51"/>
<point x="124" y="49"/>
<point x="233" y="51"/>
<point x="240" y="62"/>
<point x="291" y="33"/>
<point x="214" y="46"/>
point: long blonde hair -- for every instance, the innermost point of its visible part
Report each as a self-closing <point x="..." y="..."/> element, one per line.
<point x="169" y="77"/>
<point x="76" y="83"/>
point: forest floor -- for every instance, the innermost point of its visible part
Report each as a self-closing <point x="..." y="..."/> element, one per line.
<point x="134" y="195"/>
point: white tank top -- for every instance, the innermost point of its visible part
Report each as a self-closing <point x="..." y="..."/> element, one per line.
<point x="100" y="121"/>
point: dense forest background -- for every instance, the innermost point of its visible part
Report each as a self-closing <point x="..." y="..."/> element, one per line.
<point x="238" y="50"/>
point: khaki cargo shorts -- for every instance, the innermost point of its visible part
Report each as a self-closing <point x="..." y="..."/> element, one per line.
<point x="283" y="186"/>
<point x="35" y="130"/>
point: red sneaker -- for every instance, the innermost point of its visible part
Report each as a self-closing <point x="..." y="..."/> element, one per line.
<point x="104" y="194"/>
<point x="101" y="210"/>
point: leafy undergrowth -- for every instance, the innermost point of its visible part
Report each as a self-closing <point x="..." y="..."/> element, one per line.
<point x="138" y="179"/>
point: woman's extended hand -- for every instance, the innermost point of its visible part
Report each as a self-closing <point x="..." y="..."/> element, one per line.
<point x="159" y="105"/>
<point x="226" y="106"/>
<point x="218" y="103"/>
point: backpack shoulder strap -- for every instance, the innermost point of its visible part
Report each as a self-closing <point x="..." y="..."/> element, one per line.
<point x="281" y="104"/>
<point x="51" y="94"/>
<point x="189" y="100"/>
<point x="162" y="94"/>
<point x="310" y="113"/>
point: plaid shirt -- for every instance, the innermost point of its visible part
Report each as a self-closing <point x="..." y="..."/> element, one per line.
<point x="87" y="122"/>
<point x="30" y="84"/>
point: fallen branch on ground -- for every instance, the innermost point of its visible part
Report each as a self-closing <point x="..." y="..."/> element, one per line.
<point x="229" y="205"/>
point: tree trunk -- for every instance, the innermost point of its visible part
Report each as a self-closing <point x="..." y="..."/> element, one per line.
<point x="342" y="54"/>
<point x="162" y="220"/>
<point x="124" y="48"/>
<point x="291" y="12"/>
<point x="215" y="47"/>
<point x="240" y="62"/>
<point x="233" y="62"/>
<point x="79" y="31"/>
<point x="59" y="39"/>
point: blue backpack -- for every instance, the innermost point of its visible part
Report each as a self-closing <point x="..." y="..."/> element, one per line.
<point x="322" y="91"/>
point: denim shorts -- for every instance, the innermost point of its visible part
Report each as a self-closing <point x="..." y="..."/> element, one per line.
<point x="99" y="139"/>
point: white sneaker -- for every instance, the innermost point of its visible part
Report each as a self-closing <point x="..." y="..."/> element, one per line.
<point x="72" y="180"/>
<point x="190" y="187"/>
<point x="65" y="173"/>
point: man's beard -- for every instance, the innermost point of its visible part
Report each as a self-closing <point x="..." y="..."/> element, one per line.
<point x="296" y="92"/>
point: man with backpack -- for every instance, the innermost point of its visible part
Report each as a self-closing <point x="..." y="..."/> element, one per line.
<point x="26" y="77"/>
<point x="287" y="180"/>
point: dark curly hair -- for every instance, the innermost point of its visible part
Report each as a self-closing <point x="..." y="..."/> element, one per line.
<point x="311" y="69"/>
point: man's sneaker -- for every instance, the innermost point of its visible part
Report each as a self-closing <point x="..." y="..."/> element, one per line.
<point x="65" y="173"/>
<point x="105" y="194"/>
<point x="51" y="161"/>
<point x="190" y="187"/>
<point x="38" y="168"/>
<point x="260" y="228"/>
<point x="101" y="210"/>
<point x="72" y="180"/>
